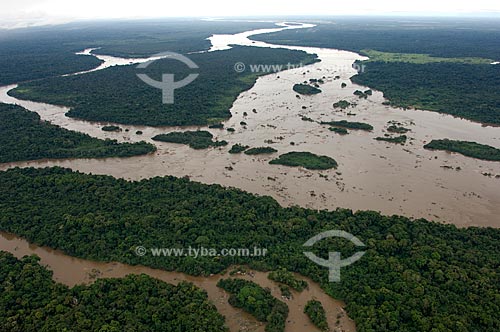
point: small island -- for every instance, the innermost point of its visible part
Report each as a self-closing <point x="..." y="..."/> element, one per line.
<point x="340" y="131"/>
<point x="198" y="140"/>
<point x="267" y="308"/>
<point x="287" y="278"/>
<point x="307" y="160"/>
<point x="260" y="150"/>
<point x="397" y="140"/>
<point x="468" y="149"/>
<point x="362" y="94"/>
<point x="397" y="129"/>
<point x="349" y="125"/>
<point x="238" y="148"/>
<point x="343" y="104"/>
<point x="316" y="313"/>
<point x="305" y="89"/>
<point x="111" y="128"/>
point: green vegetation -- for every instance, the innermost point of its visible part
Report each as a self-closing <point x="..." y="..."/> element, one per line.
<point x="416" y="275"/>
<point x="238" y="148"/>
<point x="469" y="149"/>
<point x="316" y="313"/>
<point x="305" y="159"/>
<point x="462" y="89"/>
<point x="397" y="129"/>
<point x="438" y="37"/>
<point x="285" y="291"/>
<point x="257" y="301"/>
<point x="376" y="56"/>
<point x="199" y="139"/>
<point x="349" y="125"/>
<point x="397" y="140"/>
<point x="117" y="95"/>
<point x="111" y="128"/>
<point x="305" y="89"/>
<point x="343" y="104"/>
<point x="340" y="131"/>
<point x="288" y="278"/>
<point x="260" y="150"/>
<point x="40" y="52"/>
<point x="362" y="94"/>
<point x="32" y="301"/>
<point x="307" y="119"/>
<point x="468" y="91"/>
<point x="23" y="136"/>
<point x="343" y="85"/>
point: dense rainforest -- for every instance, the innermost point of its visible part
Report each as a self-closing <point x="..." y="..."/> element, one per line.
<point x="454" y="87"/>
<point x="23" y="136"/>
<point x="32" y="301"/>
<point x="462" y="90"/>
<point x="41" y="52"/>
<point x="117" y="95"/>
<point x="438" y="37"/>
<point x="416" y="275"/>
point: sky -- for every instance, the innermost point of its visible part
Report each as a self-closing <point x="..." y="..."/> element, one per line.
<point x="20" y="13"/>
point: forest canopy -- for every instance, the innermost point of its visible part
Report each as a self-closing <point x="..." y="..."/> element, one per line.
<point x="32" y="301"/>
<point x="23" y="136"/>
<point x="117" y="95"/>
<point x="416" y="275"/>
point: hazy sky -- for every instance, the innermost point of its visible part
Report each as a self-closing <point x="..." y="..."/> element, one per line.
<point x="22" y="12"/>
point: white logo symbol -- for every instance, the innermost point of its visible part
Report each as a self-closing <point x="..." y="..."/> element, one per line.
<point x="334" y="263"/>
<point x="167" y="83"/>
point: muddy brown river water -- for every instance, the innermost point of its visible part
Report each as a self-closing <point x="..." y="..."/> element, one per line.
<point x="393" y="179"/>
<point x="372" y="175"/>
<point x="72" y="271"/>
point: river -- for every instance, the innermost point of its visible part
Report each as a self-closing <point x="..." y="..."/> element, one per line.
<point x="393" y="179"/>
<point x="72" y="271"/>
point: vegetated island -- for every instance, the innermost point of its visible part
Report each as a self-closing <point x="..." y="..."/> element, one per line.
<point x="238" y="148"/>
<point x="316" y="313"/>
<point x="468" y="149"/>
<point x="397" y="129"/>
<point x="343" y="104"/>
<point x="177" y="210"/>
<point x="397" y="140"/>
<point x="111" y="128"/>
<point x="24" y="136"/>
<point x="363" y="94"/>
<point x="288" y="278"/>
<point x="305" y="89"/>
<point x="338" y="130"/>
<point x="260" y="150"/>
<point x="257" y="301"/>
<point x="349" y="125"/>
<point x="50" y="306"/>
<point x="198" y="139"/>
<point x="307" y="160"/>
